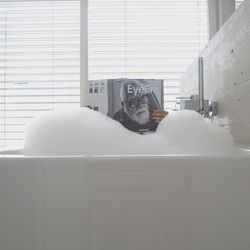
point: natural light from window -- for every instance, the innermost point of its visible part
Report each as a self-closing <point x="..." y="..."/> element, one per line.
<point x="40" y="51"/>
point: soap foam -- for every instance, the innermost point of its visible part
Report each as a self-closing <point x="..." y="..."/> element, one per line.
<point x="86" y="132"/>
<point x="188" y="133"/>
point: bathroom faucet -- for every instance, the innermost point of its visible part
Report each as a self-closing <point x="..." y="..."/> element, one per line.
<point x="197" y="102"/>
<point x="201" y="85"/>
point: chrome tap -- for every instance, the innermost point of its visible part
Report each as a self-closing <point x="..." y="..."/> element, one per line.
<point x="201" y="85"/>
<point x="197" y="102"/>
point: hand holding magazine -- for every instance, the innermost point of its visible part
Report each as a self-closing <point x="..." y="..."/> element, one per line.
<point x="135" y="103"/>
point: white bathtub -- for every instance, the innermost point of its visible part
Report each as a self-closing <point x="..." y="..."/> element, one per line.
<point x="125" y="203"/>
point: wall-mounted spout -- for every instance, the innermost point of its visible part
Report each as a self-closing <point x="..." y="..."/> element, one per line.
<point x="197" y="102"/>
<point x="200" y="85"/>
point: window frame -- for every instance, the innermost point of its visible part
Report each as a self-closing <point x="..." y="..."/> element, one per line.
<point x="218" y="12"/>
<point x="83" y="50"/>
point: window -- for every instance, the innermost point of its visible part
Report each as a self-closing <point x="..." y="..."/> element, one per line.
<point x="39" y="62"/>
<point x="148" y="39"/>
<point x="40" y="51"/>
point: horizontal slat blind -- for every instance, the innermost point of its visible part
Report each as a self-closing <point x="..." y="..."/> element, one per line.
<point x="151" y="39"/>
<point x="39" y="62"/>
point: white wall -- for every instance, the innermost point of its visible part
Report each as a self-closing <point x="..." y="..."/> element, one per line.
<point x="227" y="74"/>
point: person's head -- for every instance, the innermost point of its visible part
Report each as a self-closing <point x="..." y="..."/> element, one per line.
<point x="135" y="99"/>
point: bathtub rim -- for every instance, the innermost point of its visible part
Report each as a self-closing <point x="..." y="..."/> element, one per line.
<point x="241" y="152"/>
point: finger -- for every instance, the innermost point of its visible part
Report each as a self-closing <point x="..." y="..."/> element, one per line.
<point x="157" y="115"/>
<point x="159" y="112"/>
<point x="156" y="119"/>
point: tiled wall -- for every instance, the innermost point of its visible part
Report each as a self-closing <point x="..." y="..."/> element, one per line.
<point x="227" y="74"/>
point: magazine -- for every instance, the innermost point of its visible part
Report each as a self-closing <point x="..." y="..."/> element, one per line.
<point x="129" y="101"/>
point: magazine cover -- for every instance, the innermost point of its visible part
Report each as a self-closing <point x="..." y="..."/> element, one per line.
<point x="129" y="101"/>
<point x="132" y="100"/>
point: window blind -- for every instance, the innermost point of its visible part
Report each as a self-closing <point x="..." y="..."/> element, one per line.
<point x="146" y="39"/>
<point x="39" y="62"/>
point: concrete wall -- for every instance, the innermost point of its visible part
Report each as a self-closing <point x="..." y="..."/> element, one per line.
<point x="227" y="74"/>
